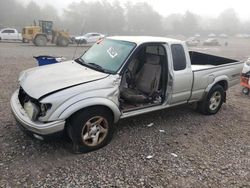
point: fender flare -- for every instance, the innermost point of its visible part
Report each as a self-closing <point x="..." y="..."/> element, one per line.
<point x="87" y="102"/>
<point x="217" y="80"/>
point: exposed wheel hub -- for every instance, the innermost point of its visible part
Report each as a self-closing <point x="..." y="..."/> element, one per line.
<point x="215" y="101"/>
<point x="94" y="131"/>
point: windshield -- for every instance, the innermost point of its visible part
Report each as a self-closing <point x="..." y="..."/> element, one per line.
<point x="108" y="54"/>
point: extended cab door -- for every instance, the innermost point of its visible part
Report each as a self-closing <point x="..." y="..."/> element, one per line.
<point x="182" y="74"/>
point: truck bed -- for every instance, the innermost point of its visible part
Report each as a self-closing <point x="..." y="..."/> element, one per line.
<point x="201" y="61"/>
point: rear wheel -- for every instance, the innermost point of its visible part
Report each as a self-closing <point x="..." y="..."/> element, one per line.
<point x="245" y="91"/>
<point x="213" y="101"/>
<point x="90" y="129"/>
<point x="81" y="41"/>
<point x="84" y="41"/>
<point x="62" y="41"/>
<point x="25" y="40"/>
<point x="40" y="40"/>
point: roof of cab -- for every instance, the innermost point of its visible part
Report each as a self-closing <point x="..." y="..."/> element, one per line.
<point x="7" y="28"/>
<point x="145" y="39"/>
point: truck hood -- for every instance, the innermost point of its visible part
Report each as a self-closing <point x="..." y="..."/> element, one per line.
<point x="40" y="81"/>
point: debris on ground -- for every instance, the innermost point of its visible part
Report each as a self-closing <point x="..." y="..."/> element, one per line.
<point x="173" y="154"/>
<point x="149" y="157"/>
<point x="150" y="125"/>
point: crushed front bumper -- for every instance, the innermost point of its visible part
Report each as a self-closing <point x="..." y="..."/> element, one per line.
<point x="31" y="126"/>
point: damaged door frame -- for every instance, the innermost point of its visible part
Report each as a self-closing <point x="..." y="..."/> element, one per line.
<point x="164" y="76"/>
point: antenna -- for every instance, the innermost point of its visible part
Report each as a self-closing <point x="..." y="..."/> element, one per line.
<point x="83" y="27"/>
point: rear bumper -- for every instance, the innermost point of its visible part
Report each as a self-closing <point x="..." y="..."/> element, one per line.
<point x="39" y="128"/>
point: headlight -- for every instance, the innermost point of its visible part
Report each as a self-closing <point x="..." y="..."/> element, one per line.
<point x="31" y="109"/>
<point x="44" y="108"/>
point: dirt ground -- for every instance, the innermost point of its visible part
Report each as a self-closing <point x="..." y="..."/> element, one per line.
<point x="193" y="150"/>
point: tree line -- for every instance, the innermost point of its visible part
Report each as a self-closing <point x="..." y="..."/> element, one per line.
<point x="120" y="19"/>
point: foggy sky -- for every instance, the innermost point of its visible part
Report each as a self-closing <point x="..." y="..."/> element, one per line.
<point x="209" y="8"/>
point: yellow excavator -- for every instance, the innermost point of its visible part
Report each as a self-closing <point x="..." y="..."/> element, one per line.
<point x="43" y="33"/>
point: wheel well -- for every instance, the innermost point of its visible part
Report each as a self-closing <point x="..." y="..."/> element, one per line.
<point x="41" y="35"/>
<point x="223" y="83"/>
<point x="95" y="106"/>
<point x="83" y="41"/>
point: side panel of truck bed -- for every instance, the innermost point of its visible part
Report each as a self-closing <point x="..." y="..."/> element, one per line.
<point x="205" y="78"/>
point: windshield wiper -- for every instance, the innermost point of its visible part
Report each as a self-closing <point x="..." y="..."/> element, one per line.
<point x="98" y="67"/>
<point x="92" y="65"/>
<point x="95" y="65"/>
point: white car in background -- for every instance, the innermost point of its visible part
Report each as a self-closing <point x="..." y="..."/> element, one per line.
<point x="223" y="35"/>
<point x="10" y="34"/>
<point x="211" y="42"/>
<point x="88" y="38"/>
<point x="212" y="35"/>
<point x="192" y="41"/>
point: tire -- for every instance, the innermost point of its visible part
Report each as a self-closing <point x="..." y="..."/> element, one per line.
<point x="245" y="91"/>
<point x="90" y="129"/>
<point x="83" y="41"/>
<point x="213" y="101"/>
<point x="62" y="41"/>
<point x="40" y="40"/>
<point x="25" y="41"/>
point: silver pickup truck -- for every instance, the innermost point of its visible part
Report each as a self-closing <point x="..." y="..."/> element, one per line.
<point x="119" y="77"/>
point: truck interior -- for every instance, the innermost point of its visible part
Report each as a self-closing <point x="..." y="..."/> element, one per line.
<point x="144" y="79"/>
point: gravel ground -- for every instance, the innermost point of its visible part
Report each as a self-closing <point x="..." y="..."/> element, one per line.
<point x="193" y="150"/>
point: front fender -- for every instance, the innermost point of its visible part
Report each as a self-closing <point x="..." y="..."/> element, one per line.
<point x="87" y="102"/>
